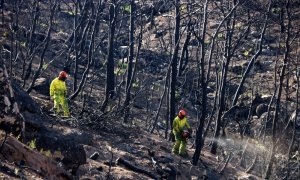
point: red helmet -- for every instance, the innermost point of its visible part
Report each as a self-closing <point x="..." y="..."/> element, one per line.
<point x="181" y="113"/>
<point x="62" y="74"/>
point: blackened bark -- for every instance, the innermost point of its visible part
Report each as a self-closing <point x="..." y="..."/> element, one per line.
<point x="90" y="52"/>
<point x="75" y="46"/>
<point x="130" y="62"/>
<point x="110" y="76"/>
<point x="184" y="54"/>
<point x="31" y="44"/>
<point x="46" y="41"/>
<point x="278" y="99"/>
<point x="174" y="64"/>
<point x="250" y="65"/>
<point x="203" y="81"/>
<point x="229" y="51"/>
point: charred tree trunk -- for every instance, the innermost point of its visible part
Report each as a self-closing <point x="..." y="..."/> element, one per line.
<point x="130" y="62"/>
<point x="31" y="44"/>
<point x="162" y="97"/>
<point x="15" y="151"/>
<point x="250" y="65"/>
<point x="221" y="93"/>
<point x="110" y="76"/>
<point x="205" y="79"/>
<point x="46" y="41"/>
<point x="174" y="64"/>
<point x="229" y="50"/>
<point x="203" y="82"/>
<point x="90" y="52"/>
<point x="278" y="99"/>
<point x="75" y="47"/>
<point x="295" y="120"/>
<point x="184" y="53"/>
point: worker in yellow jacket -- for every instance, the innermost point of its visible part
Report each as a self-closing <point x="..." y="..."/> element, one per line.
<point x="180" y="123"/>
<point x="58" y="92"/>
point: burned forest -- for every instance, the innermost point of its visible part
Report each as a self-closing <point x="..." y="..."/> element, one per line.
<point x="108" y="89"/>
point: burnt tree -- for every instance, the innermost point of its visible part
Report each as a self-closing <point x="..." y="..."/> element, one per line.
<point x="110" y="65"/>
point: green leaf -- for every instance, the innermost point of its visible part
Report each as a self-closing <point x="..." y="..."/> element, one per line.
<point x="135" y="85"/>
<point x="5" y="34"/>
<point x="177" y="95"/>
<point x="45" y="66"/>
<point x="183" y="8"/>
<point x="127" y="8"/>
<point x="47" y="153"/>
<point x="23" y="44"/>
<point x="32" y="144"/>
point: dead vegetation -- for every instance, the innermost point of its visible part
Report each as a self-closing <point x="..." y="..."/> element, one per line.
<point x="241" y="39"/>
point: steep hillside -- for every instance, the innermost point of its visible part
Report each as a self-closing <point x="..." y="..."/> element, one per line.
<point x="236" y="73"/>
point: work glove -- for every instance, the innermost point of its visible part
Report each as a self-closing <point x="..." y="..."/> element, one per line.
<point x="185" y="134"/>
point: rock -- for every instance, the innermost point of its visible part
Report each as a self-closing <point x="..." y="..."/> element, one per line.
<point x="71" y="153"/>
<point x="210" y="95"/>
<point x="263" y="121"/>
<point x="210" y="174"/>
<point x="156" y="7"/>
<point x="161" y="125"/>
<point x="293" y="119"/>
<point x="255" y="34"/>
<point x="137" y="142"/>
<point x="140" y="102"/>
<point x="166" y="159"/>
<point x="94" y="156"/>
<point x="166" y="149"/>
<point x="260" y="109"/>
<point x="268" y="52"/>
<point x="160" y="33"/>
<point x="42" y="86"/>
<point x="258" y="99"/>
<point x="247" y="177"/>
<point x="102" y="152"/>
<point x="266" y="98"/>
<point x="266" y="62"/>
<point x="238" y="69"/>
<point x="26" y="103"/>
<point x="269" y="38"/>
<point x="79" y="137"/>
<point x="193" y="42"/>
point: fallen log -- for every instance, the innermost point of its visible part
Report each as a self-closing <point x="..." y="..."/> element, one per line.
<point x="166" y="172"/>
<point x="136" y="168"/>
<point x="15" y="151"/>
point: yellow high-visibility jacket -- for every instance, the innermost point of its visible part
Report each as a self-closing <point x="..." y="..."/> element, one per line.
<point x="58" y="88"/>
<point x="180" y="124"/>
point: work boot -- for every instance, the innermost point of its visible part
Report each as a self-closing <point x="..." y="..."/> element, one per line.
<point x="184" y="154"/>
<point x="175" y="152"/>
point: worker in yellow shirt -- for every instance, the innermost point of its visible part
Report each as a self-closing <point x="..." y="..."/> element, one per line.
<point x="58" y="92"/>
<point x="180" y="123"/>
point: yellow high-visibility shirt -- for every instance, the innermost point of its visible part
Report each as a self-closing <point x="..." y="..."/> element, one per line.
<point x="58" y="87"/>
<point x="180" y="124"/>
